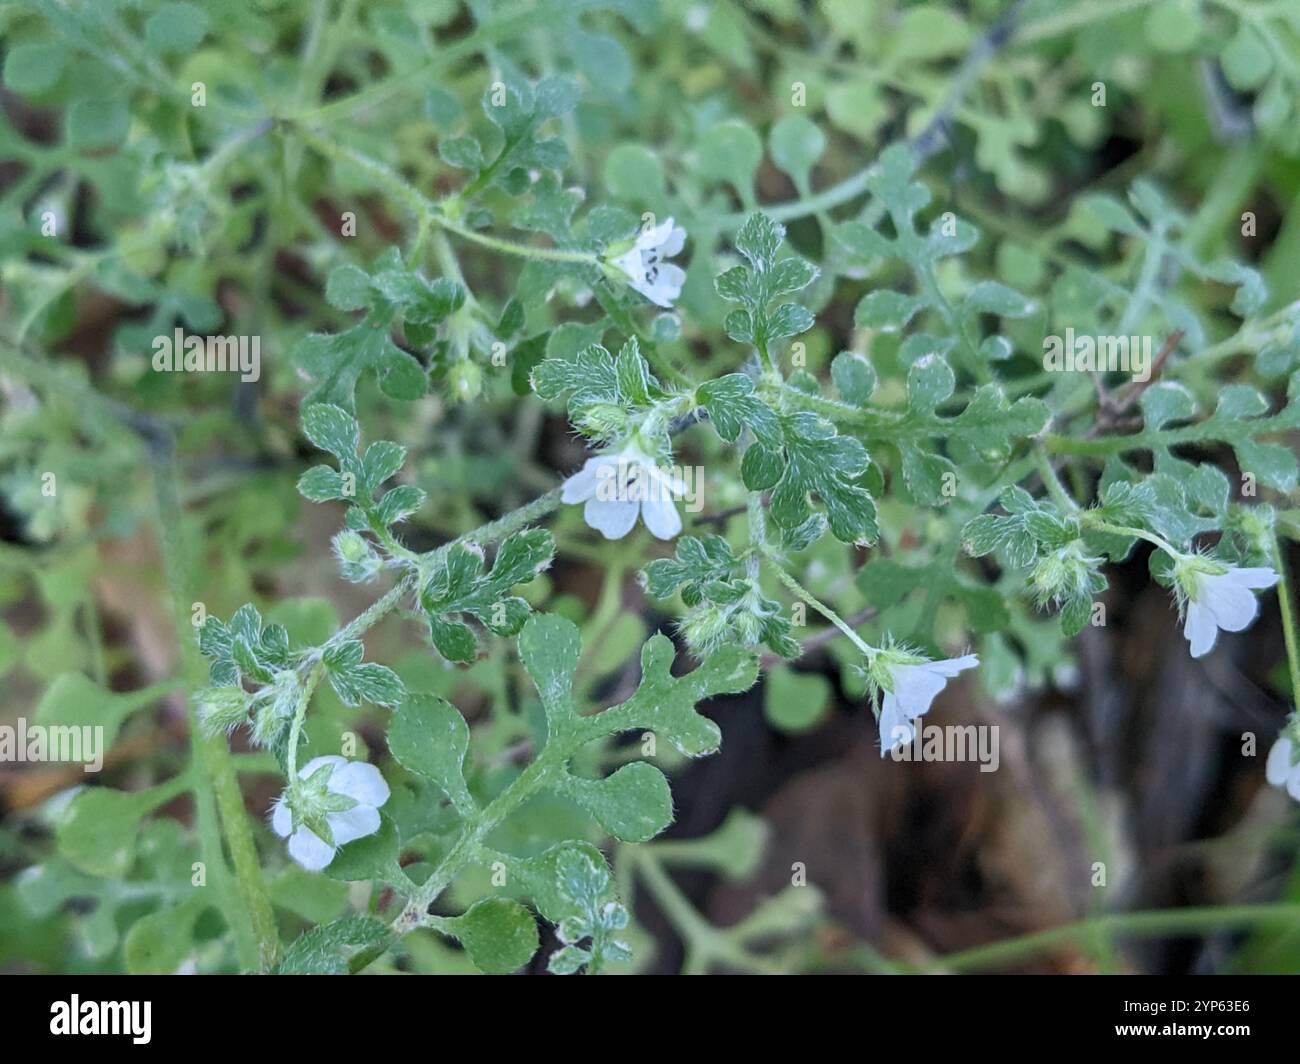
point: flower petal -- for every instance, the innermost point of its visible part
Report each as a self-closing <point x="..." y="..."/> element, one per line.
<point x="895" y="729"/>
<point x="1293" y="785"/>
<point x="328" y="759"/>
<point x="674" y="242"/>
<point x="310" y="850"/>
<point x="661" y="517"/>
<point x="630" y="264"/>
<point x="915" y="687"/>
<point x="1278" y="767"/>
<point x="657" y="293"/>
<point x="1233" y="605"/>
<point x="1261" y="577"/>
<point x="360" y="781"/>
<point x="582" y="485"/>
<point x="1200" y="630"/>
<point x="952" y="666"/>
<point x="663" y="484"/>
<point x="281" y="818"/>
<point x="667" y="285"/>
<point x="650" y="239"/>
<point x="611" y="518"/>
<point x="354" y="823"/>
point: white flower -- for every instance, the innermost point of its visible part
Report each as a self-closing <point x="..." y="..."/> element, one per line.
<point x="1218" y="596"/>
<point x="1281" y="769"/>
<point x="617" y="486"/>
<point x="660" y="282"/>
<point x="910" y="685"/>
<point x="354" y="781"/>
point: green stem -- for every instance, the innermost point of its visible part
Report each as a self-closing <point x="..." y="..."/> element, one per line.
<point x="299" y="717"/>
<point x="507" y="247"/>
<point x="1155" y="255"/>
<point x="465" y="849"/>
<point x="807" y="596"/>
<point x="757" y="532"/>
<point x="1290" y="620"/>
<point x="511" y="522"/>
<point x="1211" y="429"/>
<point x="1125" y="530"/>
<point x="215" y="777"/>
<point x="1149" y="924"/>
<point x="427" y="211"/>
<point x="377" y="611"/>
<point x="705" y="945"/>
<point x="1052" y="482"/>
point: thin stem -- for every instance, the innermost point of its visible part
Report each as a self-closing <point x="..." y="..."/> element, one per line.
<point x="704" y="943"/>
<point x="299" y="716"/>
<point x="214" y="776"/>
<point x="1052" y="482"/>
<point x="507" y="247"/>
<point x="427" y="211"/>
<point x="1125" y="530"/>
<point x="378" y="610"/>
<point x="924" y="144"/>
<point x="466" y="848"/>
<point x="1290" y="619"/>
<point x="1155" y="256"/>
<point x="1213" y="428"/>
<point x="757" y="532"/>
<point x="511" y="522"/>
<point x="1149" y="924"/>
<point x="807" y="596"/>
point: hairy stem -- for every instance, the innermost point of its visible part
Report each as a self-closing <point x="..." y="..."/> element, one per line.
<point x="215" y="776"/>
<point x="807" y="596"/>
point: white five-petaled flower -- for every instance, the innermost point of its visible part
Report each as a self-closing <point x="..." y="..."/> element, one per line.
<point x="1281" y="770"/>
<point x="659" y="281"/>
<point x="910" y="685"/>
<point x="616" y="486"/>
<point x="354" y="781"/>
<point x="1218" y="597"/>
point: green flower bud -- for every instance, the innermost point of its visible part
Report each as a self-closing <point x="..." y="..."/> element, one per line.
<point x="357" y="558"/>
<point x="222" y="709"/>
<point x="706" y="629"/>
<point x="601" y="420"/>
<point x="465" y="380"/>
<point x="1254" y="526"/>
<point x="1065" y="574"/>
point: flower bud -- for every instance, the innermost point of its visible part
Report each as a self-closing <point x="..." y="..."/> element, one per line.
<point x="222" y="709"/>
<point x="1064" y="575"/>
<point x="358" y="561"/>
<point x="706" y="629"/>
<point x="465" y="380"/>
